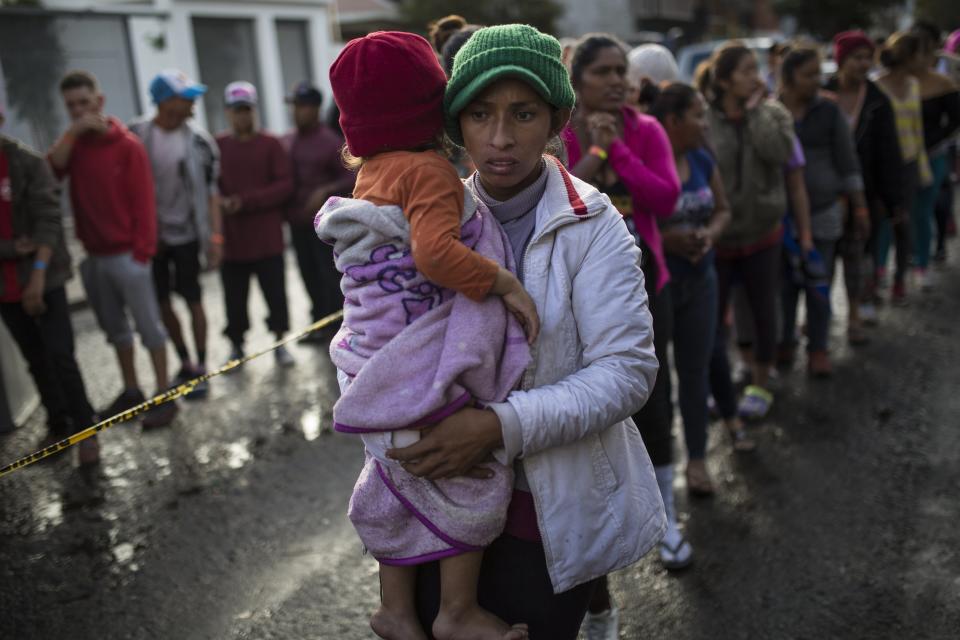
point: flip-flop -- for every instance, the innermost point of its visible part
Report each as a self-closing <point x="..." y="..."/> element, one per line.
<point x="672" y="563"/>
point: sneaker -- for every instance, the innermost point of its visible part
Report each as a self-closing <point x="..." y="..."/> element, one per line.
<point x="603" y="626"/>
<point x="755" y="404"/>
<point x="202" y="389"/>
<point x="185" y="373"/>
<point x="786" y="354"/>
<point x="161" y="416"/>
<point x="320" y="337"/>
<point x="126" y="400"/>
<point x="819" y="364"/>
<point x="88" y="452"/>
<point x="898" y="296"/>
<point x="236" y="353"/>
<point x="881" y="276"/>
<point x="868" y="314"/>
<point x="921" y="279"/>
<point x="283" y="357"/>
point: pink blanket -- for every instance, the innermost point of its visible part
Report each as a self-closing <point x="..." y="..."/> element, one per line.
<point x="416" y="353"/>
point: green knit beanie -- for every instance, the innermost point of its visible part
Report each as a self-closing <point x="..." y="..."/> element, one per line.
<point x="512" y="50"/>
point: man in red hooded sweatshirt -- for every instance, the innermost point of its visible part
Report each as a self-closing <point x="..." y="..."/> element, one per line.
<point x="111" y="190"/>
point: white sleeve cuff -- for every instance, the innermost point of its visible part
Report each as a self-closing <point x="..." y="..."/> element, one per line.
<point x="511" y="430"/>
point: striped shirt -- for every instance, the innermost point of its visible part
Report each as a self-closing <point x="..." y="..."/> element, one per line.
<point x="910" y="129"/>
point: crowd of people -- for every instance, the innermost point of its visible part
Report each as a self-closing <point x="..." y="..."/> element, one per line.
<point x="611" y="219"/>
<point x="154" y="202"/>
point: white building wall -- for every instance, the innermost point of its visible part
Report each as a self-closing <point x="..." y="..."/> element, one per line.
<point x="148" y="59"/>
<point x="606" y="16"/>
<point x="172" y="19"/>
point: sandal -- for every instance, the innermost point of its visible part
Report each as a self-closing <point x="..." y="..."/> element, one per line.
<point x="742" y="443"/>
<point x="857" y="337"/>
<point x="675" y="558"/>
<point x="698" y="479"/>
<point x="755" y="404"/>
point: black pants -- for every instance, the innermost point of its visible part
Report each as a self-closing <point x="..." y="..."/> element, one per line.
<point x="760" y="275"/>
<point x="320" y="275"/>
<point x="515" y="586"/>
<point x="46" y="342"/>
<point x="655" y="418"/>
<point x="236" y="291"/>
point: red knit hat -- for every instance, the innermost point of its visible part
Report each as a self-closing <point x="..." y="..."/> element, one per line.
<point x="849" y="41"/>
<point x="389" y="88"/>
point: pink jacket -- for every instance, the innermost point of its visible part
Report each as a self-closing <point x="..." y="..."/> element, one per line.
<point x="644" y="161"/>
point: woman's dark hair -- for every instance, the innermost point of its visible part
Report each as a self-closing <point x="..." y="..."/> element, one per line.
<point x="902" y="47"/>
<point x="648" y="93"/>
<point x="453" y="44"/>
<point x="440" y="30"/>
<point x="674" y="99"/>
<point x="723" y="63"/>
<point x="796" y="58"/>
<point x="928" y="31"/>
<point x="586" y="50"/>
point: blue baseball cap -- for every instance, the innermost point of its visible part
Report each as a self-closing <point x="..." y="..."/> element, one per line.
<point x="172" y="83"/>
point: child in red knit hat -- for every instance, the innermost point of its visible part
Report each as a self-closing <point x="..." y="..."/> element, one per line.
<point x="414" y="352"/>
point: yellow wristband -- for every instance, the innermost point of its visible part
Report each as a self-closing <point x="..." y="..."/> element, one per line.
<point x="598" y="151"/>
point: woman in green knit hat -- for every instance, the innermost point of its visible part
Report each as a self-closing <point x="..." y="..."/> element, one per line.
<point x="585" y="501"/>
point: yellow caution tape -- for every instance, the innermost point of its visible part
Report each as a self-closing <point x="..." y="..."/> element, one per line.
<point x="167" y="396"/>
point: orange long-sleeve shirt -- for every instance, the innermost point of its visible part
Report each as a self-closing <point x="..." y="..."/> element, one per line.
<point x="428" y="189"/>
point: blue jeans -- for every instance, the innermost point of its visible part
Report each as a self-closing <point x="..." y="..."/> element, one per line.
<point x="923" y="214"/>
<point x="693" y="292"/>
<point x="818" y="307"/>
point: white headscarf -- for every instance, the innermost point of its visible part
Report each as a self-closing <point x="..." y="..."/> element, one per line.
<point x="652" y="61"/>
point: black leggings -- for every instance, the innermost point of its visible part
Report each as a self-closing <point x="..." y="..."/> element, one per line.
<point x="760" y="275"/>
<point x="655" y="418"/>
<point x="514" y="585"/>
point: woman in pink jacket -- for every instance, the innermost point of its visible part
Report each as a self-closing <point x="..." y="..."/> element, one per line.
<point x="627" y="155"/>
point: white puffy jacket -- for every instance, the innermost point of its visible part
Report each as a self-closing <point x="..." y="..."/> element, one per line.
<point x="596" y="496"/>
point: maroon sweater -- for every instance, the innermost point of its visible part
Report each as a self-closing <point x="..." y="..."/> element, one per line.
<point x="257" y="170"/>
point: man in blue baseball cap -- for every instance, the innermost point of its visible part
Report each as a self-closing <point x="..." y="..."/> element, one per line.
<point x="186" y="166"/>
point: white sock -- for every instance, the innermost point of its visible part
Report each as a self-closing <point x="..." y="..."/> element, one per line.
<point x="665" y="482"/>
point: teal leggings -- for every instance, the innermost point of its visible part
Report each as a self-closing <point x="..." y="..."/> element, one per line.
<point x="886" y="231"/>
<point x="922" y="215"/>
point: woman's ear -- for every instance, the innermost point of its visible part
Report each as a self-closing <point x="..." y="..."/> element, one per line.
<point x="559" y="119"/>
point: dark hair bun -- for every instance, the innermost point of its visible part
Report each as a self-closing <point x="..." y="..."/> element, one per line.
<point x="441" y="29"/>
<point x="888" y="58"/>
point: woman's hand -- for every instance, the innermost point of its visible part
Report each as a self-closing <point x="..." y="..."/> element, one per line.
<point x="455" y="447"/>
<point x="602" y="128"/>
<point x="518" y="302"/>
<point x="686" y="243"/>
<point x="24" y="246"/>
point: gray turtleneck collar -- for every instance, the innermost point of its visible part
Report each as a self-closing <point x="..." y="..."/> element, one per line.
<point x="516" y="214"/>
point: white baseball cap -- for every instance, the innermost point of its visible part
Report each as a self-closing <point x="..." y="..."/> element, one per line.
<point x="240" y="93"/>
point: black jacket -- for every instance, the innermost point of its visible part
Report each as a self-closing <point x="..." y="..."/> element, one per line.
<point x="881" y="163"/>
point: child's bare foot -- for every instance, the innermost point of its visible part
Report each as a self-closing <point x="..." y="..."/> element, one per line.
<point x="394" y="625"/>
<point x="474" y="623"/>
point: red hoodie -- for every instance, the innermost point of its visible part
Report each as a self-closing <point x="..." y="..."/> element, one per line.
<point x="111" y="190"/>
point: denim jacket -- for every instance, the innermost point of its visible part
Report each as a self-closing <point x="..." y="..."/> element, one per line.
<point x="203" y="170"/>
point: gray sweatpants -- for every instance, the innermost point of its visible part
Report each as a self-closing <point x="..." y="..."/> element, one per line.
<point x="115" y="284"/>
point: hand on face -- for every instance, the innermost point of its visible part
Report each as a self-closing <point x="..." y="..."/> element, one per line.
<point x="90" y="123"/>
